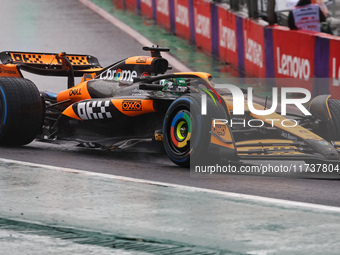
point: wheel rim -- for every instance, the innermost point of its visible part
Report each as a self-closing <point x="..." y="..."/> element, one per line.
<point x="180" y="132"/>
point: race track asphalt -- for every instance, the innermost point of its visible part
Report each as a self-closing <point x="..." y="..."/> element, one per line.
<point x="63" y="25"/>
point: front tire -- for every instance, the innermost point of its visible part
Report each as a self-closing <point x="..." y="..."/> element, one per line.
<point x="20" y="111"/>
<point x="186" y="134"/>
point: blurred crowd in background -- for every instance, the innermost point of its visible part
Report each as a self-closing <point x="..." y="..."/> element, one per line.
<point x="278" y="11"/>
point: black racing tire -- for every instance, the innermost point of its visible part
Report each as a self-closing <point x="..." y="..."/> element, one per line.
<point x="184" y="114"/>
<point x="21" y="111"/>
<point x="334" y="108"/>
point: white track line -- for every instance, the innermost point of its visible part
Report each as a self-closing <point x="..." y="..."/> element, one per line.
<point x="229" y="195"/>
<point x="133" y="33"/>
<point x="174" y="62"/>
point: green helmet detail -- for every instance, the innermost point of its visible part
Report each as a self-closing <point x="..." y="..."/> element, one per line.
<point x="173" y="84"/>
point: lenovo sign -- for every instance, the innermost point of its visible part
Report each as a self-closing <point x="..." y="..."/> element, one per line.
<point x="294" y="61"/>
<point x="292" y="66"/>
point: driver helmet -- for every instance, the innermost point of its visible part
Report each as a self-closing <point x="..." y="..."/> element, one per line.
<point x="174" y="84"/>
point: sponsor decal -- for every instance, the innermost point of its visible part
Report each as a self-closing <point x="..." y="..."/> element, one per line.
<point x="75" y="92"/>
<point x="118" y="75"/>
<point x="227" y="37"/>
<point x="94" y="110"/>
<point x="219" y="129"/>
<point x="9" y="72"/>
<point x="146" y="7"/>
<point x="323" y="143"/>
<point x="288" y="136"/>
<point x="163" y="7"/>
<point x="142" y="60"/>
<point x="132" y="105"/>
<point x="203" y="25"/>
<point x="182" y="15"/>
<point x="147" y="2"/>
<point x="145" y="74"/>
<point x="253" y="50"/>
<point x="163" y="13"/>
<point x="293" y="66"/>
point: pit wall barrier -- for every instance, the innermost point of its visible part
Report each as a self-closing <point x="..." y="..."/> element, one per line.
<point x="258" y="50"/>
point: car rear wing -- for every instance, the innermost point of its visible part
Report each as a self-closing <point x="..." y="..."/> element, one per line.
<point x="52" y="64"/>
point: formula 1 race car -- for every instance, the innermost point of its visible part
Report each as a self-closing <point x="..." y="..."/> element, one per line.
<point x="134" y="102"/>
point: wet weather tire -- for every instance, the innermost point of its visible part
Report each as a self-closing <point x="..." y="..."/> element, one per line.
<point x="334" y="108"/>
<point x="186" y="134"/>
<point x="20" y="111"/>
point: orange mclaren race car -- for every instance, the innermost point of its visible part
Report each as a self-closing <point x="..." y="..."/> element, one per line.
<point x="134" y="103"/>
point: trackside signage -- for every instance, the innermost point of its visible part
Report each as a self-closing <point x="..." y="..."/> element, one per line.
<point x="131" y="5"/>
<point x="334" y="68"/>
<point x="292" y="66"/>
<point x="270" y="51"/>
<point x="227" y="36"/>
<point x="182" y="19"/>
<point x="253" y="37"/>
<point x="202" y="14"/>
<point x="163" y="13"/>
<point x="146" y="8"/>
<point x="294" y="59"/>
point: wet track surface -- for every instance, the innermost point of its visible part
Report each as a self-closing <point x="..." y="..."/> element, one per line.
<point x="64" y="25"/>
<point x="306" y="187"/>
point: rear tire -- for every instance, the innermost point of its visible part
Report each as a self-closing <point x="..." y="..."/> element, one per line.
<point x="21" y="111"/>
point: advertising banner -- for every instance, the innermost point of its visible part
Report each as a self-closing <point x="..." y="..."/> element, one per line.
<point x="227" y="36"/>
<point x="119" y="4"/>
<point x="254" y="58"/>
<point x="163" y="13"/>
<point x="182" y="19"/>
<point x="131" y="5"/>
<point x="334" y="68"/>
<point x="294" y="57"/>
<point x="202" y="17"/>
<point x="147" y="8"/>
